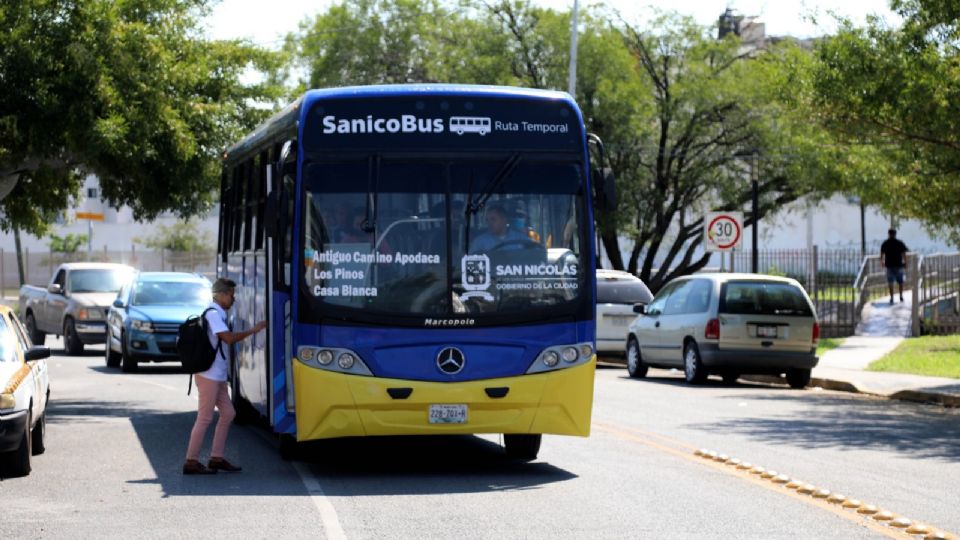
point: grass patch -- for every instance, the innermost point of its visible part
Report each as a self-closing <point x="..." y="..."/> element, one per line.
<point x="935" y="356"/>
<point x="825" y="344"/>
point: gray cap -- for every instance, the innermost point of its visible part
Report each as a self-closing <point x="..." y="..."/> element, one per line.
<point x="223" y="285"/>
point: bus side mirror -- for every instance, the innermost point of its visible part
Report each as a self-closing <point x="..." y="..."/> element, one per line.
<point x="640" y="309"/>
<point x="609" y="190"/>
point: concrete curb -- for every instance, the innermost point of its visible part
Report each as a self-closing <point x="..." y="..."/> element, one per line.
<point x="917" y="396"/>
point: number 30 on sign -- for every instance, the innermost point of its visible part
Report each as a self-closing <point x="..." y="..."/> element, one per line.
<point x="722" y="231"/>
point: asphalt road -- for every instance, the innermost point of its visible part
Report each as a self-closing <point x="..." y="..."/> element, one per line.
<point x="115" y="444"/>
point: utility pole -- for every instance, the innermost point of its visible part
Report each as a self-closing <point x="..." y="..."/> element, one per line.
<point x="754" y="170"/>
<point x="572" y="83"/>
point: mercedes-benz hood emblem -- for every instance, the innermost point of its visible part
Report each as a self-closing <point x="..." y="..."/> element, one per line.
<point x="451" y="360"/>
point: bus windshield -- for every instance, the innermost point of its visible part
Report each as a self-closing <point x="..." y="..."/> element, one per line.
<point x="436" y="238"/>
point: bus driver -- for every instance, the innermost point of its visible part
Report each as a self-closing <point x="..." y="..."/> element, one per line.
<point x="498" y="233"/>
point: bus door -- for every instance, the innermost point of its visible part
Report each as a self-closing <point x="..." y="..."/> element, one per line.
<point x="281" y="204"/>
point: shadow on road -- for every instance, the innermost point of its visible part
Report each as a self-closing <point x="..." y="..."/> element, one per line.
<point x="850" y="423"/>
<point x="168" y="368"/>
<point x="354" y="467"/>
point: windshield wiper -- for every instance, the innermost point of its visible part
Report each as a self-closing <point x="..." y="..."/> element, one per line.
<point x="475" y="205"/>
<point x="508" y="166"/>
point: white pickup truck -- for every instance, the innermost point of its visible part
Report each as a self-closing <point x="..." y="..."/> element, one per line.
<point x="74" y="304"/>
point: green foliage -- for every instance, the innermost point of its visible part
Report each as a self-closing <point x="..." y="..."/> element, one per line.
<point x="67" y="244"/>
<point x="181" y="237"/>
<point x="127" y="89"/>
<point x="897" y="92"/>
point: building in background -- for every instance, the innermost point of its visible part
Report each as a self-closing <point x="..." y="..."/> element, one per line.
<point x="117" y="238"/>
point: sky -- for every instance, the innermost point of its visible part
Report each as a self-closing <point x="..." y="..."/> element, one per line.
<point x="248" y="18"/>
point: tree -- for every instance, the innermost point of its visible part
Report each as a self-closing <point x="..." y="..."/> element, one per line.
<point x="67" y="244"/>
<point x="183" y="240"/>
<point x="897" y="90"/>
<point x="126" y="89"/>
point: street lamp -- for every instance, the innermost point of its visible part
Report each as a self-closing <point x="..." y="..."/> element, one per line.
<point x="754" y="156"/>
<point x="572" y="81"/>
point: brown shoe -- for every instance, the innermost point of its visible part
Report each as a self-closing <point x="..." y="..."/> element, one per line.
<point x="192" y="466"/>
<point x="220" y="464"/>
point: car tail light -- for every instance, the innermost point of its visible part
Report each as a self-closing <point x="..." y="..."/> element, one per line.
<point x="816" y="332"/>
<point x="712" y="331"/>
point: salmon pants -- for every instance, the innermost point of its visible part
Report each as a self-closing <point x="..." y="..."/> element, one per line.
<point x="211" y="394"/>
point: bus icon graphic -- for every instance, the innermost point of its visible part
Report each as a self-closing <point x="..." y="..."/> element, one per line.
<point x="469" y="124"/>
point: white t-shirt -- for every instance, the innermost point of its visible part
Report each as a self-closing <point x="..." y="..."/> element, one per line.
<point x="217" y="323"/>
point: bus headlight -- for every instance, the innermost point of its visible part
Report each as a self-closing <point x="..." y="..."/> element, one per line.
<point x="573" y="355"/>
<point x="550" y="358"/>
<point x="346" y="361"/>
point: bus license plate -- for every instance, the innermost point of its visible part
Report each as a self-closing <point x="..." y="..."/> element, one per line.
<point x="448" y="414"/>
<point x="766" y="331"/>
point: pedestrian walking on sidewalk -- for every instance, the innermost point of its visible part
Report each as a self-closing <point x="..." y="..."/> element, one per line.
<point x="893" y="256"/>
<point x="212" y="384"/>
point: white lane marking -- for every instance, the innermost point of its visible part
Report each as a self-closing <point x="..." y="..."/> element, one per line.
<point x="328" y="515"/>
<point x="145" y="381"/>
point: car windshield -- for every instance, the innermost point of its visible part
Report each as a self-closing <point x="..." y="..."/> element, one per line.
<point x="764" y="298"/>
<point x="97" y="280"/>
<point x="8" y="342"/>
<point x="401" y="241"/>
<point x="622" y="291"/>
<point x="170" y="293"/>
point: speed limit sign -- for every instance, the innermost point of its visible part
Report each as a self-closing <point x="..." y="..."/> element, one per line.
<point x="722" y="231"/>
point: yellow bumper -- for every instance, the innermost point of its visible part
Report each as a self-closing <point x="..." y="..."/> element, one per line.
<point x="330" y="404"/>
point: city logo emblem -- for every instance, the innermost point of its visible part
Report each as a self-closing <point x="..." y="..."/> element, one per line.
<point x="475" y="271"/>
<point x="451" y="360"/>
<point x="469" y="124"/>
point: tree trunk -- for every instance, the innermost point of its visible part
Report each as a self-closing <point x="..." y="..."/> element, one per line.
<point x="16" y="241"/>
<point x="611" y="246"/>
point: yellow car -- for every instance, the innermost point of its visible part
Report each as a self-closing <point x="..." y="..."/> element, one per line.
<point x="24" y="391"/>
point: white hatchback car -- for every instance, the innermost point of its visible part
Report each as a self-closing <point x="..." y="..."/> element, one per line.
<point x="617" y="293"/>
<point x="728" y="324"/>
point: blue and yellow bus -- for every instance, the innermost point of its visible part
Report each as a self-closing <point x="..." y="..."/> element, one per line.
<point x="424" y="256"/>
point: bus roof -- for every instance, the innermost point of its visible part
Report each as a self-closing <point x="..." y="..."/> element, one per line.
<point x="286" y="119"/>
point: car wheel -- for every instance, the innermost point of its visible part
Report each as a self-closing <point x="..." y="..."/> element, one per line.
<point x="18" y="461"/>
<point x="798" y="378"/>
<point x="112" y="358"/>
<point x="522" y="446"/>
<point x="38" y="435"/>
<point x="127" y="362"/>
<point x="71" y="340"/>
<point x="693" y="370"/>
<point x="36" y="336"/>
<point x="635" y="366"/>
<point x="730" y="378"/>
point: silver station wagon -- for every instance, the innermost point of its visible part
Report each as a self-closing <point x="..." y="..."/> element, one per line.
<point x="726" y="324"/>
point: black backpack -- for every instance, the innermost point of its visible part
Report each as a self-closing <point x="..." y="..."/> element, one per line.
<point x="193" y="346"/>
